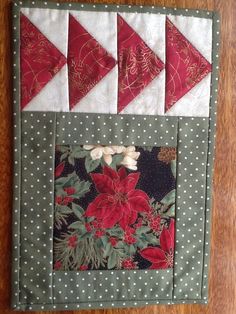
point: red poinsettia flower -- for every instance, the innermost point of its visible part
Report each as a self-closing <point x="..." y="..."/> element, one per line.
<point x="118" y="202"/>
<point x="162" y="257"/>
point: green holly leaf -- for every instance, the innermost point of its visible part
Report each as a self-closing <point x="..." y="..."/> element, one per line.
<point x="78" y="210"/>
<point x="80" y="228"/>
<point x="112" y="260"/>
<point x="116" y="160"/>
<point x="62" y="181"/>
<point x="89" y="219"/>
<point x="76" y="225"/>
<point x="79" y="152"/>
<point x="171" y="211"/>
<point x="104" y="240"/>
<point x="128" y="249"/>
<point x="141" y="243"/>
<point x="59" y="190"/>
<point x="71" y="160"/>
<point x="116" y="232"/>
<point x="86" y="235"/>
<point x="143" y="229"/>
<point x="121" y="245"/>
<point x="72" y="178"/>
<point x="64" y="156"/>
<point x="151" y="239"/>
<point x="63" y="209"/>
<point x="91" y="164"/>
<point x="169" y="198"/>
<point x="108" y="250"/>
<point x="99" y="243"/>
<point x="81" y="187"/>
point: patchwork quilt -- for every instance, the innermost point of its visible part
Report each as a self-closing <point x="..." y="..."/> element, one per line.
<point x="114" y="127"/>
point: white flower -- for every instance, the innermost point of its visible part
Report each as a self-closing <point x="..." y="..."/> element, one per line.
<point x="118" y="149"/>
<point x="98" y="151"/>
<point x="130" y="149"/>
<point x="130" y="158"/>
<point x="129" y="163"/>
<point x="88" y="147"/>
<point x="129" y="153"/>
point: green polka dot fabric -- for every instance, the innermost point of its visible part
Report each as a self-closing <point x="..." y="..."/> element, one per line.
<point x="36" y="285"/>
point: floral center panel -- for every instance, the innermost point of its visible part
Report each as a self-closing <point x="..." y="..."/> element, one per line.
<point x="114" y="207"/>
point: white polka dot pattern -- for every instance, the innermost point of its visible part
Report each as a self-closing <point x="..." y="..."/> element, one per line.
<point x="116" y="129"/>
<point x="91" y="286"/>
<point x="37" y="201"/>
<point x="17" y="170"/>
<point x="190" y="207"/>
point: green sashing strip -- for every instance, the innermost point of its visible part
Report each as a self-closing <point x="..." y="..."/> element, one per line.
<point x="37" y="207"/>
<point x="190" y="207"/>
<point x="113" y="8"/>
<point x="112" y="286"/>
<point x="108" y="129"/>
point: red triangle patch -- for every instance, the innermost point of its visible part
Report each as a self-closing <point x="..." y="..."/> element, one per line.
<point x="138" y="64"/>
<point x="88" y="62"/>
<point x="185" y="66"/>
<point x="40" y="60"/>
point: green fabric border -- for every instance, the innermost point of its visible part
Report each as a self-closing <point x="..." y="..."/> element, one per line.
<point x="190" y="206"/>
<point x="37" y="207"/>
<point x="115" y="286"/>
<point x="17" y="145"/>
<point x="102" y="305"/>
<point x="17" y="162"/>
<point x="113" y="8"/>
<point x="211" y="150"/>
<point x="108" y="129"/>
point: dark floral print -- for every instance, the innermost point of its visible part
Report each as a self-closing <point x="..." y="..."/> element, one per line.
<point x="116" y="216"/>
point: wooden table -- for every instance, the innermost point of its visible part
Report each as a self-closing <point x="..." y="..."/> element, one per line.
<point x="223" y="245"/>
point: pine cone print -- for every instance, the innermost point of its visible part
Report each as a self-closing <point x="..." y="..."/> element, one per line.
<point x="167" y="154"/>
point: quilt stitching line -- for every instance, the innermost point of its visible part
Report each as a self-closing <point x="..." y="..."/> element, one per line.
<point x="176" y="216"/>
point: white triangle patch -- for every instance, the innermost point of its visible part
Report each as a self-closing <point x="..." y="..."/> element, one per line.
<point x="53" y="24"/>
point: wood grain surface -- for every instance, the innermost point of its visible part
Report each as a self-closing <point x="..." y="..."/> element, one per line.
<point x="222" y="291"/>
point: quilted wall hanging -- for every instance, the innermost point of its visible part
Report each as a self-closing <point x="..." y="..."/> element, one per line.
<point x="114" y="126"/>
